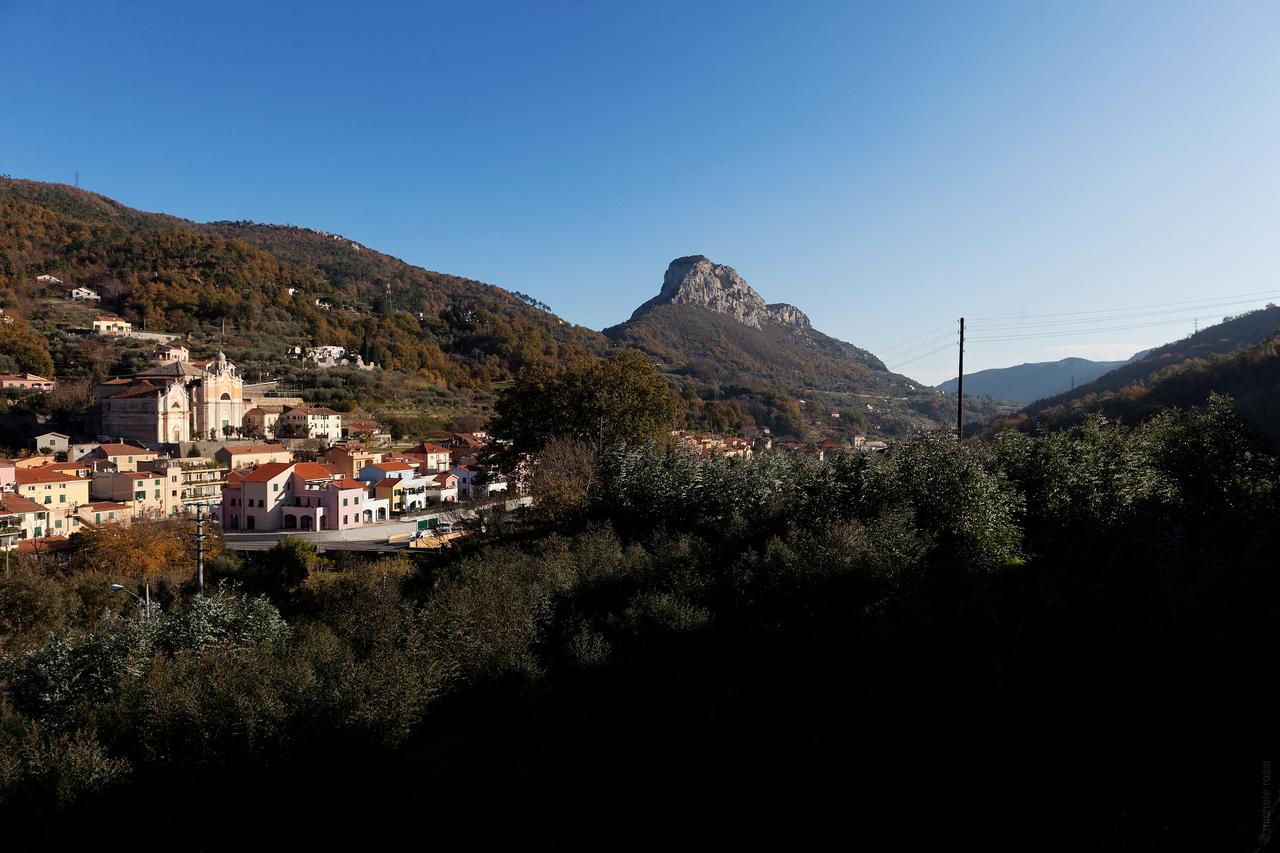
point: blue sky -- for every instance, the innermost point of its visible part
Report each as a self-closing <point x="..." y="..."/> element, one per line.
<point x="886" y="167"/>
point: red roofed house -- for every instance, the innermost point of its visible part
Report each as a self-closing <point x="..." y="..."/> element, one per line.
<point x="108" y="325"/>
<point x="57" y="492"/>
<point x="433" y="457"/>
<point x="443" y="487"/>
<point x="310" y="422"/>
<point x="150" y="492"/>
<point x="124" y="456"/>
<point x="21" y="519"/>
<point x="350" y="458"/>
<point x="255" y="502"/>
<point x="25" y="382"/>
<point x="294" y="496"/>
<point x="243" y="455"/>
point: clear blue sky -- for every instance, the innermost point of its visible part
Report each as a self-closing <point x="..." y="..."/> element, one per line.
<point x="887" y="167"/>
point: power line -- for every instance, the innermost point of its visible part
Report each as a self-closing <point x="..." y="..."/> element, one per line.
<point x="914" y="359"/>
<point x="1258" y="293"/>
<point x="1094" y="331"/>
<point x="918" y="337"/>
<point x="1140" y="315"/>
<point x="927" y="343"/>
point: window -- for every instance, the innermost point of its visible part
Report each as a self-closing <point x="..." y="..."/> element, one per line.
<point x="275" y="487"/>
<point x="62" y="499"/>
<point x="157" y="494"/>
<point x="48" y="499"/>
<point x="58" y="524"/>
<point x="346" y="519"/>
<point x="345" y="502"/>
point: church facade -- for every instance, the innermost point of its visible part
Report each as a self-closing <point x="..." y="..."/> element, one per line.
<point x="174" y="401"/>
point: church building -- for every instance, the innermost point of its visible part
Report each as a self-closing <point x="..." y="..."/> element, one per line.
<point x="174" y="401"/>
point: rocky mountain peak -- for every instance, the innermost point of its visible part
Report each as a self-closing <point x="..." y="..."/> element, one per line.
<point x="696" y="280"/>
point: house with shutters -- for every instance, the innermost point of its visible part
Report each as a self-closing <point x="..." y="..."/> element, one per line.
<point x="150" y="492"/>
<point x="21" y="519"/>
<point x="25" y="382"/>
<point x="351" y="458"/>
<point x="105" y="324"/>
<point x="310" y="422"/>
<point x="124" y="457"/>
<point x="60" y="494"/>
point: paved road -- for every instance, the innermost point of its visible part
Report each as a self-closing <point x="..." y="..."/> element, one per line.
<point x="369" y="537"/>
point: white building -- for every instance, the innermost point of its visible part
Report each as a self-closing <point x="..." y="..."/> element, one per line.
<point x="83" y="294"/>
<point x="105" y="325"/>
<point x="54" y="441"/>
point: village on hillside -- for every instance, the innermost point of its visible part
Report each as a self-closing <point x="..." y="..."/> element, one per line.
<point x="186" y="433"/>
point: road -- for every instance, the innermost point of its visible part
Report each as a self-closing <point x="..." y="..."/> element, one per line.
<point x="369" y="537"/>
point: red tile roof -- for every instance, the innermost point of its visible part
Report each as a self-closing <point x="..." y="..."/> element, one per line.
<point x="240" y="449"/>
<point x="48" y="543"/>
<point x="24" y="476"/>
<point x="17" y="503"/>
<point x="427" y="447"/>
<point x="314" y="471"/>
<point x="393" y="466"/>
<point x="264" y="473"/>
<point x="143" y="389"/>
<point x="117" y="449"/>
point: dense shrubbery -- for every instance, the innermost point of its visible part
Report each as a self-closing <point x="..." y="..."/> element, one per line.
<point x="781" y="616"/>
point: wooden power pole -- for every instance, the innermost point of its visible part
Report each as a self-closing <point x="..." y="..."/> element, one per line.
<point x="960" y="389"/>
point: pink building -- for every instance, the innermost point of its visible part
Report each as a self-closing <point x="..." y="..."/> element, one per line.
<point x="294" y="496"/>
<point x="253" y="498"/>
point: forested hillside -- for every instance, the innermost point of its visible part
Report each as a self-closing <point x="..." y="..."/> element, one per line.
<point x="269" y="287"/>
<point x="1250" y="375"/>
<point x="1236" y="357"/>
<point x="1225" y="337"/>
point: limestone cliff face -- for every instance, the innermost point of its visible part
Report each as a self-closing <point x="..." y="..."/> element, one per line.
<point x="695" y="280"/>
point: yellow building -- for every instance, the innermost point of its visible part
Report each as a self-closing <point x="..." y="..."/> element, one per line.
<point x="60" y="494"/>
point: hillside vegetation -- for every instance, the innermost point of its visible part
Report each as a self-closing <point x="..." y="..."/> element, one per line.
<point x="777" y="650"/>
<point x="167" y="274"/>
<point x="765" y="372"/>
<point x="1236" y="358"/>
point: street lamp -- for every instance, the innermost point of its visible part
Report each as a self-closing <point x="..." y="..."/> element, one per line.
<point x="145" y="603"/>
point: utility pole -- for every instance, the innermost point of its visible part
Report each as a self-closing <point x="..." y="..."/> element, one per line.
<point x="960" y="389"/>
<point x="199" y="549"/>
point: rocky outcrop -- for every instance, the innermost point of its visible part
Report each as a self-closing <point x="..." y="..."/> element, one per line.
<point x="695" y="280"/>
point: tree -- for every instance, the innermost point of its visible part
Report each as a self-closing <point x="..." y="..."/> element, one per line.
<point x="23" y="349"/>
<point x="562" y="479"/>
<point x="604" y="402"/>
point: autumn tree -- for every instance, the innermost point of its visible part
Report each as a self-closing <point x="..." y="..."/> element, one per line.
<point x="23" y="350"/>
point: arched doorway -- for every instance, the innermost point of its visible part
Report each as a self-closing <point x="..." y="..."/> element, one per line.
<point x="306" y="522"/>
<point x="382" y="513"/>
<point x="368" y="516"/>
<point x="290" y="522"/>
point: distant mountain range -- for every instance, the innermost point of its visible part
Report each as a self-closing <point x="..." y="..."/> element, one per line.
<point x="1232" y="334"/>
<point x="1239" y="357"/>
<point x="1026" y="383"/>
